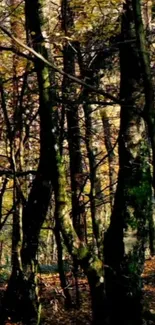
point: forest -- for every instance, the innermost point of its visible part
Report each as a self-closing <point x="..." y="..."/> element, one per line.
<point x="77" y="162"/>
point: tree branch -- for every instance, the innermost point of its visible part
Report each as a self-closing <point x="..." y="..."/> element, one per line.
<point x="75" y="79"/>
<point x="14" y="50"/>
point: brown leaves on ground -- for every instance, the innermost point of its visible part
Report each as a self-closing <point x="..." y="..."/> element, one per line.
<point x="149" y="290"/>
<point x="52" y="299"/>
<point x="53" y="310"/>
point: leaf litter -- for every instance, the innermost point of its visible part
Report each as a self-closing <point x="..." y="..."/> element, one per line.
<point x="52" y="299"/>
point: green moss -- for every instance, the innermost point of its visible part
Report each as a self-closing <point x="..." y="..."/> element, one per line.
<point x="46" y="78"/>
<point x="97" y="265"/>
<point x="82" y="252"/>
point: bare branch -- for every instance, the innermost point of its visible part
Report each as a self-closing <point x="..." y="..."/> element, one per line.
<point x="75" y="79"/>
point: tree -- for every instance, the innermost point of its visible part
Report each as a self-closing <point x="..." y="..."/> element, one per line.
<point x="149" y="110"/>
<point x="132" y="205"/>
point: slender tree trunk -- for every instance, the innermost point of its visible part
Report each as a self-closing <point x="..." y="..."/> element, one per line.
<point x="1" y="251"/>
<point x="11" y="295"/>
<point x="63" y="281"/>
<point x="111" y="155"/>
<point x="71" y="108"/>
<point x="94" y="152"/>
<point x="96" y="195"/>
<point x="72" y="113"/>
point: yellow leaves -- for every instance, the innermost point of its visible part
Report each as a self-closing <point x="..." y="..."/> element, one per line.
<point x="2" y="39"/>
<point x="97" y="264"/>
<point x="83" y="26"/>
<point x="8" y="198"/>
<point x="93" y="15"/>
<point x="78" y="4"/>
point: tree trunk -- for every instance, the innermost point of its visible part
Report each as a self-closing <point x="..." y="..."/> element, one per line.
<point x="132" y="205"/>
<point x="23" y="283"/>
<point x="72" y="113"/>
<point x="111" y="155"/>
<point x="144" y="56"/>
<point x="98" y="206"/>
<point x="63" y="281"/>
<point x="96" y="195"/>
<point x="149" y="110"/>
<point x="99" y="306"/>
<point x="71" y="109"/>
<point x="89" y="262"/>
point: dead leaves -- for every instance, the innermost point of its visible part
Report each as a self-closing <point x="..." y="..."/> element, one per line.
<point x="53" y="311"/>
<point x="149" y="288"/>
<point x="52" y="298"/>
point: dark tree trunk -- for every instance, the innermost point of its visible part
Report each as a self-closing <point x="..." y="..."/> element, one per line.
<point x="23" y="282"/>
<point x="99" y="306"/>
<point x="72" y="113"/>
<point x="96" y="195"/>
<point x="132" y="205"/>
<point x="149" y="110"/>
<point x="111" y="155"/>
<point x="151" y="236"/>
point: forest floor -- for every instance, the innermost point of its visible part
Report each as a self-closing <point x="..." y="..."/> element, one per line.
<point x="54" y="313"/>
<point x="53" y="303"/>
<point x="149" y="291"/>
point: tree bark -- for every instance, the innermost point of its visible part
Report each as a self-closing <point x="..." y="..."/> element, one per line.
<point x="149" y="110"/>
<point x="72" y="113"/>
<point x="23" y="283"/>
<point x="111" y="155"/>
<point x="132" y="205"/>
<point x="63" y="281"/>
<point x="144" y="56"/>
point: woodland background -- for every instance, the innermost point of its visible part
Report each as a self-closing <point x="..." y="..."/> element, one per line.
<point x="77" y="160"/>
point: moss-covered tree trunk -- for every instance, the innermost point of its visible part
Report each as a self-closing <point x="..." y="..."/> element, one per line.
<point x="22" y="286"/>
<point x="132" y="205"/>
<point x="89" y="262"/>
<point x="72" y="114"/>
